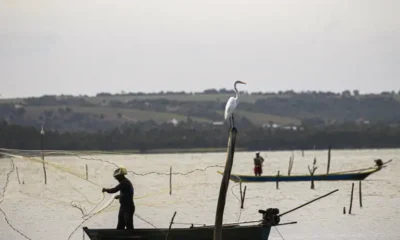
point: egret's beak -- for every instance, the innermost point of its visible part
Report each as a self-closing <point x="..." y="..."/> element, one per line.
<point x="242" y="82"/>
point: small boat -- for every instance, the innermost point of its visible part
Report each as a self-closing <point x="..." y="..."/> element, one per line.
<point x="351" y="175"/>
<point x="229" y="231"/>
<point x="258" y="230"/>
<point x="197" y="233"/>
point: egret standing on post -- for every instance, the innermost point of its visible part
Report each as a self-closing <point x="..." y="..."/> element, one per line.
<point x="231" y="105"/>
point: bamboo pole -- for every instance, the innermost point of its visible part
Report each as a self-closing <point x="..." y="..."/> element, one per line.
<point x="277" y="181"/>
<point x="41" y="145"/>
<point x="241" y="193"/>
<point x="329" y="160"/>
<point x="170" y="224"/>
<point x="87" y="174"/>
<point x="351" y="198"/>
<point x="244" y="195"/>
<point x="290" y="165"/>
<point x="360" y="194"/>
<point x="170" y="180"/>
<point x="19" y="182"/>
<point x="294" y="209"/>
<point x="224" y="185"/>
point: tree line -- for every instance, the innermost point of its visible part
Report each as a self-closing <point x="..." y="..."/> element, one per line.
<point x="147" y="136"/>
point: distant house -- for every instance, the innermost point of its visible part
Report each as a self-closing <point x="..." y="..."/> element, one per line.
<point x="174" y="122"/>
<point x="269" y="125"/>
<point x="217" y="123"/>
<point x="362" y="121"/>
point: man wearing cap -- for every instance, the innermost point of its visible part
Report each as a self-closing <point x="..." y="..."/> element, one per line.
<point x="258" y="161"/>
<point x="127" y="206"/>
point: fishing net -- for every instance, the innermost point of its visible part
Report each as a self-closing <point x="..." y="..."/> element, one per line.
<point x="72" y="195"/>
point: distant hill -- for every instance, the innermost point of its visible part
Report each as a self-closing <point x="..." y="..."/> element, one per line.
<point x="106" y="111"/>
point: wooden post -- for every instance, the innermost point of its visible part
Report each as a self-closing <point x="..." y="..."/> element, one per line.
<point x="170" y="180"/>
<point x="351" y="198"/>
<point x="329" y="160"/>
<point x="312" y="181"/>
<point x="312" y="173"/>
<point x="170" y="224"/>
<point x="18" y="175"/>
<point x="241" y="193"/>
<point x="87" y="175"/>
<point x="360" y="194"/>
<point x="290" y="165"/>
<point x="277" y="181"/>
<point x="41" y="145"/>
<point x="242" y="199"/>
<point x="292" y="155"/>
<point x="224" y="185"/>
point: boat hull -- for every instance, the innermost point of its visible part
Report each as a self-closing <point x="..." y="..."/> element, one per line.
<point x="255" y="232"/>
<point x="351" y="176"/>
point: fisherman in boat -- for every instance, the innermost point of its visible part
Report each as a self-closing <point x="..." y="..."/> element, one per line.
<point x="127" y="206"/>
<point x="258" y="161"/>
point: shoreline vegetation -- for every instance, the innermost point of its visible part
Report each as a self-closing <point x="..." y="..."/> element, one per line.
<point x="58" y="153"/>
<point x="138" y="138"/>
<point x="179" y="122"/>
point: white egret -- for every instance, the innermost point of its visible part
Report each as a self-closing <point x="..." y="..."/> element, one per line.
<point x="232" y="104"/>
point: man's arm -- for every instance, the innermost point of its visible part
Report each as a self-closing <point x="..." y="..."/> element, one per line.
<point x="112" y="190"/>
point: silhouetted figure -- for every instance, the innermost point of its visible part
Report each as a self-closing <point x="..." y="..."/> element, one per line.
<point x="258" y="161"/>
<point x="127" y="206"/>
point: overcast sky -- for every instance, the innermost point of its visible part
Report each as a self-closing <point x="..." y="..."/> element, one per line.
<point x="90" y="46"/>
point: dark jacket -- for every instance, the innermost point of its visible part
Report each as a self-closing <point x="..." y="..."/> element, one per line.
<point x="126" y="190"/>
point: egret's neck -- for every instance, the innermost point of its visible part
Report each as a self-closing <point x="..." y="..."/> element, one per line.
<point x="237" y="92"/>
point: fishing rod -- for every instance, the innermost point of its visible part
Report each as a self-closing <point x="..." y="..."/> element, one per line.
<point x="307" y="203"/>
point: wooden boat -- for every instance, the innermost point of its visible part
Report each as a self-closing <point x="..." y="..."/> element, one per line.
<point x="351" y="175"/>
<point x="196" y="233"/>
<point x="237" y="231"/>
<point x="230" y="231"/>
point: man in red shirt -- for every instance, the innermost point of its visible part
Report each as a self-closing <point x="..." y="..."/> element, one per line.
<point x="258" y="161"/>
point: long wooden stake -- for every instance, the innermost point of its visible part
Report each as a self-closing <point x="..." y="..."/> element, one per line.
<point x="241" y="193"/>
<point x="87" y="174"/>
<point x="224" y="185"/>
<point x="170" y="224"/>
<point x="312" y="174"/>
<point x="244" y="195"/>
<point x="351" y="198"/>
<point x="277" y="181"/>
<point x="17" y="175"/>
<point x="44" y="166"/>
<point x="360" y="194"/>
<point x="170" y="180"/>
<point x="290" y="165"/>
<point x="329" y="160"/>
<point x="280" y="215"/>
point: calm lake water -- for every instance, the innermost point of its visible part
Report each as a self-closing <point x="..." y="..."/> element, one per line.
<point x="44" y="211"/>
